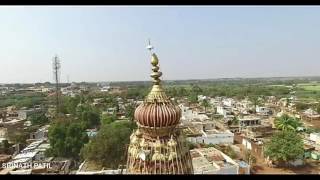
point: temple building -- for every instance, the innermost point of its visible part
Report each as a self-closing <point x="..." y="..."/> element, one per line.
<point x="158" y="146"/>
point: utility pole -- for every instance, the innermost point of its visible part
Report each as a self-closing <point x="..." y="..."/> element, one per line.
<point x="56" y="73"/>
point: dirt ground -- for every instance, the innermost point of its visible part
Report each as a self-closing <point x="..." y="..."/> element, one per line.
<point x="312" y="124"/>
<point x="311" y="167"/>
<point x="261" y="167"/>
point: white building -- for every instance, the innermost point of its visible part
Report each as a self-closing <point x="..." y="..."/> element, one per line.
<point x="263" y="110"/>
<point x="33" y="152"/>
<point x="201" y="97"/>
<point x="40" y="134"/>
<point x="105" y="89"/>
<point x="228" y="102"/>
<point x="213" y="161"/>
<point x="224" y="110"/>
<point x="213" y="137"/>
<point x="190" y="115"/>
<point x="315" y="137"/>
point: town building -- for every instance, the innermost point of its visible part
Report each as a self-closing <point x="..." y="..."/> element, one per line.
<point x="213" y="161"/>
<point x="213" y="136"/>
<point x="264" y="111"/>
<point x="249" y="121"/>
<point x="40" y="134"/>
<point x="224" y="110"/>
<point x="310" y="114"/>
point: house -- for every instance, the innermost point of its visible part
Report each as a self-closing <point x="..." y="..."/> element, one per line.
<point x="189" y="114"/>
<point x="25" y="113"/>
<point x="201" y="97"/>
<point x="105" y="89"/>
<point x="249" y="121"/>
<point x="111" y="111"/>
<point x="229" y="102"/>
<point x="244" y="106"/>
<point x="40" y="134"/>
<point x="3" y="134"/>
<point x="311" y="114"/>
<point x="213" y="161"/>
<point x="33" y="152"/>
<point x="97" y="101"/>
<point x="315" y="137"/>
<point x="255" y="145"/>
<point x="224" y="110"/>
<point x="91" y="132"/>
<point x="205" y="132"/>
<point x="211" y="137"/>
<point x="258" y="131"/>
<point x="264" y="111"/>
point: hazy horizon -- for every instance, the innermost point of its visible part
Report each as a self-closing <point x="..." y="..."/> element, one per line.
<point x="102" y="44"/>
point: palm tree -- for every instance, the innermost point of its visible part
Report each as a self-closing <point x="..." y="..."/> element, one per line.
<point x="205" y="104"/>
<point x="285" y="122"/>
<point x="255" y="101"/>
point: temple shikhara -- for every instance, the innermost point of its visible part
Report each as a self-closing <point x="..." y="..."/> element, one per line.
<point x="158" y="146"/>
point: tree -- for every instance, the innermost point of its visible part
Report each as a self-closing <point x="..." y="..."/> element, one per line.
<point x="284" y="146"/>
<point x="108" y="148"/>
<point x="38" y="118"/>
<point x="255" y="101"/>
<point x="286" y="122"/>
<point x="193" y="98"/>
<point x="205" y="103"/>
<point x="66" y="139"/>
<point x="130" y="112"/>
<point x="90" y="119"/>
<point x="71" y="104"/>
<point x="182" y="91"/>
<point x="196" y="89"/>
<point x="20" y="137"/>
<point x="107" y="119"/>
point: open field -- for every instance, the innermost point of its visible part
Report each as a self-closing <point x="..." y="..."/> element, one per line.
<point x="310" y="86"/>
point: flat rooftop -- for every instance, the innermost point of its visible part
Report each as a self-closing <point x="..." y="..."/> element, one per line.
<point x="208" y="159"/>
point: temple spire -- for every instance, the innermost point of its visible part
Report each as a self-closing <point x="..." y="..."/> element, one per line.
<point x="157" y="147"/>
<point x="156" y="74"/>
<point x="157" y="93"/>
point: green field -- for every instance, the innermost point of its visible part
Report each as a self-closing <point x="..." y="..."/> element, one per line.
<point x="308" y="92"/>
<point x="310" y="86"/>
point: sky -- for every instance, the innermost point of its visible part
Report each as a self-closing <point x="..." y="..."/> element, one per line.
<point x="108" y="43"/>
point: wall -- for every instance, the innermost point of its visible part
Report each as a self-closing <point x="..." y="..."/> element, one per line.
<point x="226" y="138"/>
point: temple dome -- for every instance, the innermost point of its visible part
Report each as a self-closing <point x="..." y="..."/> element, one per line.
<point x="157" y="111"/>
<point x="157" y="115"/>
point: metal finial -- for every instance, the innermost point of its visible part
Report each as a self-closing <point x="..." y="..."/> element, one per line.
<point x="149" y="47"/>
<point x="156" y="93"/>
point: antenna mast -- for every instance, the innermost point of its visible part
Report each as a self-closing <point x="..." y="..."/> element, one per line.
<point x="56" y="73"/>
